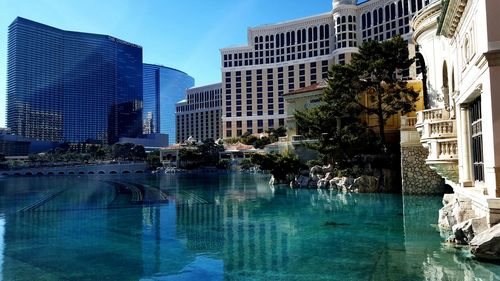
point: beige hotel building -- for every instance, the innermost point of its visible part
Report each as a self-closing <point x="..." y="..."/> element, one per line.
<point x="199" y="115"/>
<point x="283" y="57"/>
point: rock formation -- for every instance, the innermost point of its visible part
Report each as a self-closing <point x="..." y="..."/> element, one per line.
<point x="486" y="245"/>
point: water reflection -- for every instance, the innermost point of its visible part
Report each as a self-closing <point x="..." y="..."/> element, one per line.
<point x="2" y="231"/>
<point x="219" y="227"/>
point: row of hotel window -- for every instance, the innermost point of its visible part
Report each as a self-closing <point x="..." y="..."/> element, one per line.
<point x="260" y="126"/>
<point x="199" y="125"/>
<point x="236" y="98"/>
<point x="387" y="16"/>
<point x="282" y="47"/>
<point x="199" y="105"/>
<point x="201" y="100"/>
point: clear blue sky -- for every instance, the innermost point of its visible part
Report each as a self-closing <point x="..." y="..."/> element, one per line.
<point x="183" y="34"/>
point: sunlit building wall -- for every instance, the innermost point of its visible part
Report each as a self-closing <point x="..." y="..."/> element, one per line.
<point x="199" y="114"/>
<point x="283" y="57"/>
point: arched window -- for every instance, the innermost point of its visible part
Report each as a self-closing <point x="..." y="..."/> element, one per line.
<point x="445" y="87"/>
<point x="363" y="21"/>
<point x="466" y="50"/>
<point x="299" y="36"/>
<point x="393" y="11"/>
<point x="400" y="9"/>
<point x="453" y="80"/>
<point x="282" y="39"/>
<point x="375" y="17"/>
<point x="304" y="39"/>
<point x="413" y="6"/>
<point x="368" y="20"/>
<point x="315" y="33"/>
<point x="338" y="21"/>
<point x="277" y="41"/>
<point x="327" y="31"/>
<point x="321" y="32"/>
<point x="387" y="13"/>
<point x="380" y="16"/>
<point x="288" y="38"/>
<point x="349" y="19"/>
<point x="267" y="38"/>
<point x="293" y="37"/>
<point x="406" y="7"/>
<point x="256" y="40"/>
<point x="419" y="2"/>
<point x="343" y="19"/>
<point x="310" y="34"/>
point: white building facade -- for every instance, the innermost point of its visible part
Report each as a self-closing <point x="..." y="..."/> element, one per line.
<point x="460" y="44"/>
<point x="283" y="57"/>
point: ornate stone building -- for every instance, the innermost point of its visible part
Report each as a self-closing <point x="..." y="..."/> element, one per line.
<point x="460" y="46"/>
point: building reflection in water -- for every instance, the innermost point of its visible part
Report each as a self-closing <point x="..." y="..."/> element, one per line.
<point x="2" y="242"/>
<point x="223" y="228"/>
<point x="226" y="226"/>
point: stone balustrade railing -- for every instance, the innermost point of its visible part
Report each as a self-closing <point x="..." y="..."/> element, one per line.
<point x="298" y="138"/>
<point x="436" y="114"/>
<point x="438" y="129"/>
<point x="408" y="122"/>
<point x="438" y="133"/>
<point x="443" y="149"/>
<point x="282" y="139"/>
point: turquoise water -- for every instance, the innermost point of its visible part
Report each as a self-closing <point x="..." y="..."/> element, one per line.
<point x="219" y="227"/>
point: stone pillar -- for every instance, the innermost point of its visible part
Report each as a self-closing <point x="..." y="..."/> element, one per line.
<point x="465" y="158"/>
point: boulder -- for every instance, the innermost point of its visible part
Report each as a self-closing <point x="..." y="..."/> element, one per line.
<point x="328" y="177"/>
<point x="462" y="210"/>
<point x="322" y="183"/>
<point x="446" y="219"/>
<point x="327" y="169"/>
<point x="335" y="183"/>
<point x="316" y="170"/>
<point x="365" y="184"/>
<point x="465" y="231"/>
<point x="346" y="183"/>
<point x="271" y="181"/>
<point x="303" y="181"/>
<point x="449" y="198"/>
<point x="486" y="245"/>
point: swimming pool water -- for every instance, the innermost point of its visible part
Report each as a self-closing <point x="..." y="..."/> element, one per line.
<point x="219" y="227"/>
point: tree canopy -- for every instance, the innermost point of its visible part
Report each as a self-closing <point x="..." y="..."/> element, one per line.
<point x="369" y="85"/>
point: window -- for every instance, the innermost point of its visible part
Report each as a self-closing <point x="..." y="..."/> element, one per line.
<point x="270" y="123"/>
<point x="475" y="113"/>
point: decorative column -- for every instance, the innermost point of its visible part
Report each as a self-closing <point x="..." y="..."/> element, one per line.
<point x="465" y="159"/>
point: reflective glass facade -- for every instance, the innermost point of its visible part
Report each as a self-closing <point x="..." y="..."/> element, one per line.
<point x="163" y="87"/>
<point x="72" y="86"/>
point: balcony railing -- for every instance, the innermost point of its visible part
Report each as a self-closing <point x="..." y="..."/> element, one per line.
<point x="438" y="129"/>
<point x="408" y="122"/>
<point x="438" y="133"/>
<point x="429" y="115"/>
<point x="296" y="139"/>
<point x="443" y="149"/>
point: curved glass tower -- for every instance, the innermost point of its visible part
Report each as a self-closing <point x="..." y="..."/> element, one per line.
<point x="163" y="87"/>
<point x="70" y="86"/>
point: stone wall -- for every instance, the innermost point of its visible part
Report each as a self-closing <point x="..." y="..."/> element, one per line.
<point x="417" y="177"/>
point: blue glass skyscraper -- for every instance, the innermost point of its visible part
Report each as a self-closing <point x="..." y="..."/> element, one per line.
<point x="163" y="87"/>
<point x="70" y="86"/>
